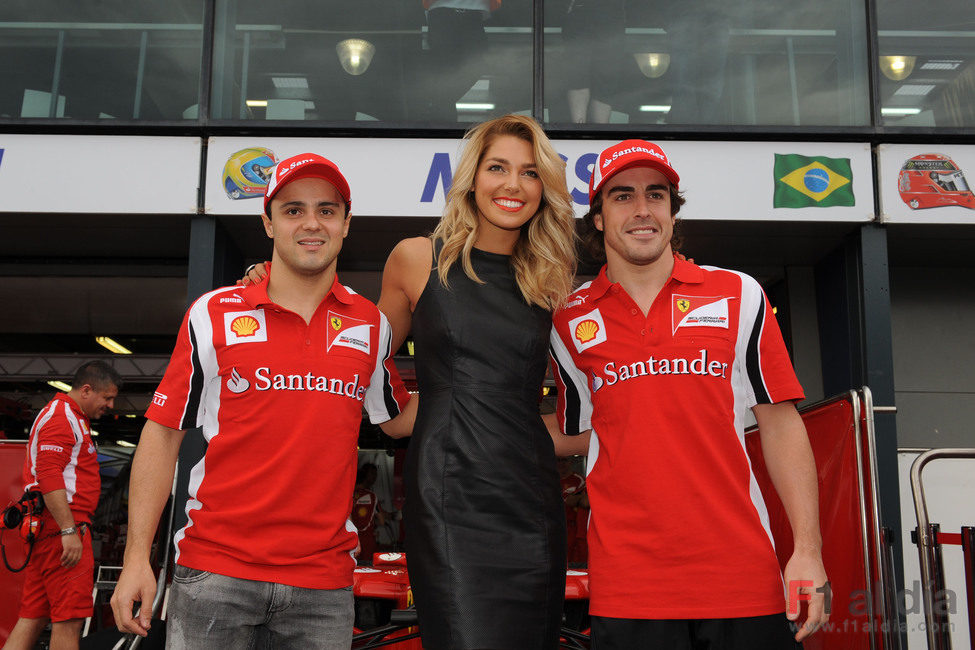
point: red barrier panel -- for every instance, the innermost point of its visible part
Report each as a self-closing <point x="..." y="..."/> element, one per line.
<point x="831" y="429"/>
<point x="11" y="488"/>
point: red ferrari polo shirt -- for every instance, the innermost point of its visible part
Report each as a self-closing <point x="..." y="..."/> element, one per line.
<point x="61" y="455"/>
<point x="280" y="402"/>
<point x="678" y="526"/>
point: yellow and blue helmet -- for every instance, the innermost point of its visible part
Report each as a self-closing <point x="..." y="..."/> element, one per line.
<point x="247" y="172"/>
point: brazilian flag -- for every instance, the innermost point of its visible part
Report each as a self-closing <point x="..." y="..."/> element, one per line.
<point x="812" y="181"/>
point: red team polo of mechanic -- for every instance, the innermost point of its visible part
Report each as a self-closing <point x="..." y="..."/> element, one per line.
<point x="657" y="361"/>
<point x="62" y="464"/>
<point x="277" y="374"/>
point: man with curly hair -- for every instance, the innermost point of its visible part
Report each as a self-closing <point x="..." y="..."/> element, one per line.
<point x="657" y="361"/>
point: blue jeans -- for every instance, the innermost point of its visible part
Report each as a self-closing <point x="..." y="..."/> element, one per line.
<point x="209" y="610"/>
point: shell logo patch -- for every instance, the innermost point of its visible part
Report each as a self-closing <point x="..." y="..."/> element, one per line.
<point x="587" y="330"/>
<point x="346" y="332"/>
<point x="245" y="326"/>
<point x="700" y="311"/>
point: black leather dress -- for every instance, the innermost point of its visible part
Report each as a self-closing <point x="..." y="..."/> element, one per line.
<point x="485" y="525"/>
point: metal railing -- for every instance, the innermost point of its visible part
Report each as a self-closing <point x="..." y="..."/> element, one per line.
<point x="929" y="554"/>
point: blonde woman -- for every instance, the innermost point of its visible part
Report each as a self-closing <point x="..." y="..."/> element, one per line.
<point x="485" y="522"/>
<point x="485" y="527"/>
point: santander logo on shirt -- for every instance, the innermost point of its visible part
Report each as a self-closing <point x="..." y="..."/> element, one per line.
<point x="236" y="383"/>
<point x="702" y="365"/>
<point x="266" y="379"/>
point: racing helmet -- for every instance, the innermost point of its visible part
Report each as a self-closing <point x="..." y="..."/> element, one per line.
<point x="247" y="172"/>
<point x="932" y="180"/>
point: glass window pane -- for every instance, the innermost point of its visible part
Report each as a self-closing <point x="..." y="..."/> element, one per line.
<point x="460" y="60"/>
<point x="756" y="62"/>
<point x="927" y="63"/>
<point x="100" y="60"/>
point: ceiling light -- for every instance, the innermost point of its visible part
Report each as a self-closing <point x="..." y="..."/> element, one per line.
<point x="655" y="108"/>
<point x="289" y="82"/>
<point x="355" y="55"/>
<point x="257" y="103"/>
<point x="473" y="106"/>
<point x="946" y="64"/>
<point x="124" y="443"/>
<point x="900" y="111"/>
<point x="914" y="90"/>
<point x="897" y="67"/>
<point x="111" y="344"/>
<point x="652" y="64"/>
<point x="60" y="385"/>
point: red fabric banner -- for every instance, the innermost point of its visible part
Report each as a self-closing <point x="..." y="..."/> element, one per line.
<point x="832" y="436"/>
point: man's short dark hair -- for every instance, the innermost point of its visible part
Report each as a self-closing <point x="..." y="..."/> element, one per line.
<point x="591" y="238"/>
<point x="97" y="374"/>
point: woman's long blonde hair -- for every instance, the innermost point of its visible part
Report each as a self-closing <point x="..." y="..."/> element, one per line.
<point x="544" y="256"/>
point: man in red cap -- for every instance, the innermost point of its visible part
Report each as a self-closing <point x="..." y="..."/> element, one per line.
<point x="657" y="361"/>
<point x="277" y="374"/>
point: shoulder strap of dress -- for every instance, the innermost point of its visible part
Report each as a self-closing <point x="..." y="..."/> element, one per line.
<point x="437" y="247"/>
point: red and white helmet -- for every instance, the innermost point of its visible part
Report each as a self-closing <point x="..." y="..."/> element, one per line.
<point x="932" y="180"/>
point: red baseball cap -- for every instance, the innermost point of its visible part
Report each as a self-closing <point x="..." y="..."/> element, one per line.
<point x="306" y="165"/>
<point x="627" y="154"/>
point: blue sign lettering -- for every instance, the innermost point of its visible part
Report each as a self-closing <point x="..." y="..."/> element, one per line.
<point x="584" y="173"/>
<point x="1" y="155"/>
<point x="439" y="172"/>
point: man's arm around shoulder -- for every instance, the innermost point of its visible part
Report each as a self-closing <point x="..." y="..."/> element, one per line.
<point x="153" y="468"/>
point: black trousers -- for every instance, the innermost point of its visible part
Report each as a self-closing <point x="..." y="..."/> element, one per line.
<point x="773" y="632"/>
